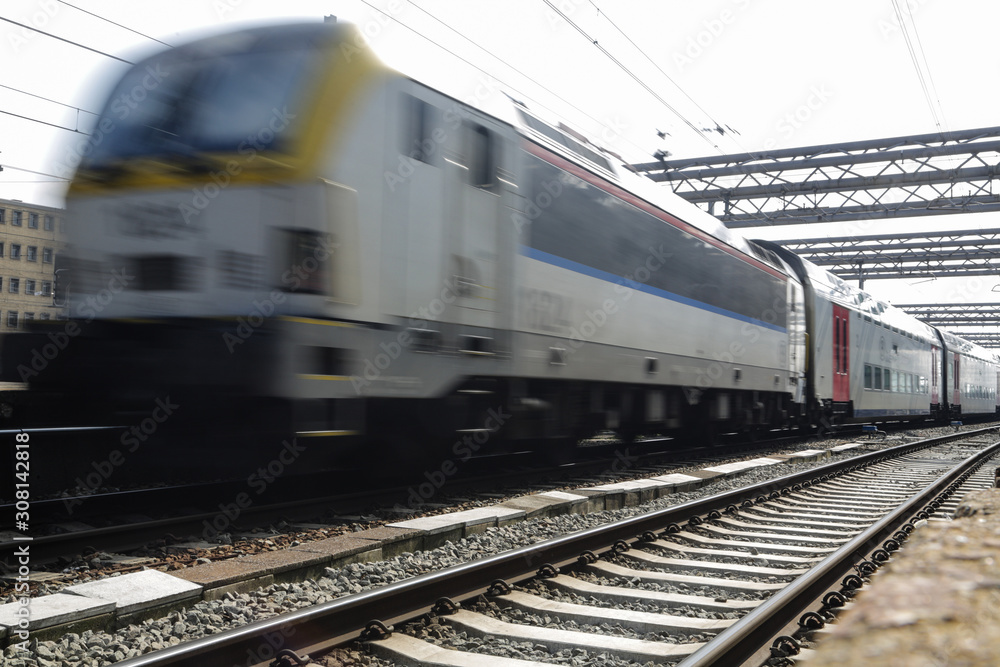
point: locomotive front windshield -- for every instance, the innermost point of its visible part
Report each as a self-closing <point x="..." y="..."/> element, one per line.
<point x="239" y="95"/>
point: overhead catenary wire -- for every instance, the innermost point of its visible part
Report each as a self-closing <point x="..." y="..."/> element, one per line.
<point x="632" y="75"/>
<point x="68" y="106"/>
<point x="480" y="69"/>
<point x="927" y="67"/>
<point x="652" y="62"/>
<point x="42" y="122"/>
<point x="916" y="64"/>
<point x="68" y="41"/>
<point x="514" y="69"/>
<point x="39" y="173"/>
<point x="80" y="9"/>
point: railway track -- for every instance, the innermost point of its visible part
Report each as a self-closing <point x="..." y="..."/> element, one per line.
<point x="122" y="520"/>
<point x="709" y="582"/>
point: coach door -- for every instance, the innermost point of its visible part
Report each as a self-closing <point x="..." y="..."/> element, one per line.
<point x="841" y="356"/>
<point x="956" y="394"/>
<point x="935" y="361"/>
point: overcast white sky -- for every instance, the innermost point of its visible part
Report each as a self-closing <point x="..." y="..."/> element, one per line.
<point x="841" y="67"/>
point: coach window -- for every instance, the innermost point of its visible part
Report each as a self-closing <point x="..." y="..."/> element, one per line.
<point x="482" y="168"/>
<point x="419" y="141"/>
<point x="885" y="379"/>
<point x="878" y="378"/>
<point x="868" y="377"/>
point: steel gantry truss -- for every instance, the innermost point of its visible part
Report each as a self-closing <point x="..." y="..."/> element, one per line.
<point x="977" y="322"/>
<point x="862" y="182"/>
<point x="927" y="174"/>
<point x="965" y="253"/>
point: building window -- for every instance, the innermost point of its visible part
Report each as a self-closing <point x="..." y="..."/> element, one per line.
<point x="15" y="251"/>
<point x="29" y="289"/>
<point x="32" y="221"/>
<point x="28" y="317"/>
<point x="12" y="319"/>
<point x="14" y="285"/>
<point x="32" y="253"/>
<point x="3" y="216"/>
<point x="1" y="248"/>
<point x="46" y="255"/>
<point x="50" y="223"/>
<point x="46" y="288"/>
<point x="62" y="225"/>
<point x="16" y="219"/>
<point x="1" y="283"/>
<point x="43" y="316"/>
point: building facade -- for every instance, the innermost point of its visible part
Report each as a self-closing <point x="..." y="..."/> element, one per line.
<point x="31" y="237"/>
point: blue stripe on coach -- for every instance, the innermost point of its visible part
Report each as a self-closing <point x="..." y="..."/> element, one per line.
<point x="569" y="264"/>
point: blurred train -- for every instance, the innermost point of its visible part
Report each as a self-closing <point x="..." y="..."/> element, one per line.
<point x="279" y="236"/>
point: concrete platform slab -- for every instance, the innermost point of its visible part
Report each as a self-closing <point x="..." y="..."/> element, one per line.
<point x="138" y="591"/>
<point x="542" y="504"/>
<point x="343" y="549"/>
<point x="847" y="446"/>
<point x="393" y="541"/>
<point x="56" y="609"/>
<point x="680" y="481"/>
<point x="630" y="649"/>
<point x="741" y="466"/>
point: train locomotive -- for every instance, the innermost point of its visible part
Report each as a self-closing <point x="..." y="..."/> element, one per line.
<point x="285" y="238"/>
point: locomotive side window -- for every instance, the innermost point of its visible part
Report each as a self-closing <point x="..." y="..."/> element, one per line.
<point x="482" y="161"/>
<point x="419" y="136"/>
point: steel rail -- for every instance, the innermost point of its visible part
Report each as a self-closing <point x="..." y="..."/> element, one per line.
<point x="332" y="623"/>
<point x="740" y="641"/>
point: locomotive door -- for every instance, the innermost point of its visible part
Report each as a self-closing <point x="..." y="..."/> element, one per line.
<point x="473" y="209"/>
<point x="841" y="356"/>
